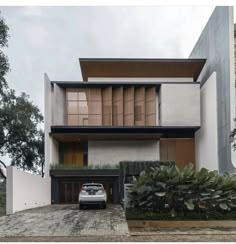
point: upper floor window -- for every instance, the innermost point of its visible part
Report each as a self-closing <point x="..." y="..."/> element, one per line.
<point x="111" y="106"/>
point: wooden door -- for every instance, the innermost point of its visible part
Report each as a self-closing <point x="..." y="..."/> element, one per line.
<point x="73" y="154"/>
<point x="69" y="192"/>
<point x="108" y="187"/>
<point x="182" y="151"/>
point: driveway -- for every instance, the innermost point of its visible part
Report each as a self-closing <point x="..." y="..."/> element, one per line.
<point x="65" y="220"/>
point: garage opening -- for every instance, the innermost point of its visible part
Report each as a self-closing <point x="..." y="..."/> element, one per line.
<point x="66" y="184"/>
<point x="69" y="190"/>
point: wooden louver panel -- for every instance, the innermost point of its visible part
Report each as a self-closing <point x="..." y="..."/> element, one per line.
<point x="139" y="106"/>
<point x="107" y="106"/>
<point x="117" y="106"/>
<point x="150" y="106"/>
<point x="129" y="106"/>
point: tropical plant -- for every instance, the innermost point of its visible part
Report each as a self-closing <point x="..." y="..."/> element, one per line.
<point x="167" y="188"/>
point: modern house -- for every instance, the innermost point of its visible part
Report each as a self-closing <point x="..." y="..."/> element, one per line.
<point x="124" y="109"/>
<point x="136" y="109"/>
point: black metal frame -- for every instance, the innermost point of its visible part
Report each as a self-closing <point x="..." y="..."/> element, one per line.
<point x="165" y="131"/>
<point x="83" y="175"/>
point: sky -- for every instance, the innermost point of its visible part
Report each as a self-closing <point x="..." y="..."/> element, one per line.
<point x="51" y="39"/>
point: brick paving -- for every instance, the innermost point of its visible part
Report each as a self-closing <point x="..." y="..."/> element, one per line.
<point x="65" y="220"/>
<point x="66" y="223"/>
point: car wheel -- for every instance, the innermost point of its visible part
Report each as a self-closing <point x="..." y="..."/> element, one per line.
<point x="81" y="206"/>
<point x="104" y="205"/>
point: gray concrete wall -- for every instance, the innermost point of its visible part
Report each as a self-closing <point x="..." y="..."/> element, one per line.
<point x="215" y="45"/>
<point x="112" y="152"/>
<point x="59" y="102"/>
<point x="180" y="105"/>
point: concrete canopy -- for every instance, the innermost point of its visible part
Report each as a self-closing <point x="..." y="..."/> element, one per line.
<point x="176" y="68"/>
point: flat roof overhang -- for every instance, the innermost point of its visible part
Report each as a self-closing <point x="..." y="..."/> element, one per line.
<point x="173" y="68"/>
<point x="83" y="133"/>
<point x="125" y="84"/>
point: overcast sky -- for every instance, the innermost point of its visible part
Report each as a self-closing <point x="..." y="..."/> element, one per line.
<point x="51" y="39"/>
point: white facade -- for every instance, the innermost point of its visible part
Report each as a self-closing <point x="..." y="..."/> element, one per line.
<point x="112" y="152"/>
<point x="180" y="105"/>
<point x="206" y="138"/>
<point x="48" y="121"/>
<point x="59" y="101"/>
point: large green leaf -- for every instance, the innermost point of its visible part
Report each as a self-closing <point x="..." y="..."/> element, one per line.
<point x="223" y="206"/>
<point x="161" y="184"/>
<point x="160" y="194"/>
<point x="189" y="204"/>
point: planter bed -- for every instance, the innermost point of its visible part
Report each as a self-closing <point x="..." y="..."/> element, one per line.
<point x="146" y="221"/>
<point x="137" y="215"/>
<point x="143" y="225"/>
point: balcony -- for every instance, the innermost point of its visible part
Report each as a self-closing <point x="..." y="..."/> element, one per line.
<point x="155" y="104"/>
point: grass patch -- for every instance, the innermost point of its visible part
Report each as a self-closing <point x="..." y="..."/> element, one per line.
<point x="132" y="214"/>
<point x="74" y="166"/>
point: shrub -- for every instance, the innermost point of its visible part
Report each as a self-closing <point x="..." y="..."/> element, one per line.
<point x="167" y="188"/>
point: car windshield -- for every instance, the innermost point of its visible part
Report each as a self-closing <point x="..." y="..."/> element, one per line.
<point x="92" y="187"/>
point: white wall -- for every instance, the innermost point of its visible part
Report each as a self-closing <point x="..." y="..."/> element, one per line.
<point x="180" y="104"/>
<point x="54" y="151"/>
<point x="59" y="105"/>
<point x="206" y="138"/>
<point x="141" y="79"/>
<point x="25" y="190"/>
<point x="112" y="152"/>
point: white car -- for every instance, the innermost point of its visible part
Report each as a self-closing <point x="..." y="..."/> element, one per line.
<point x="92" y="194"/>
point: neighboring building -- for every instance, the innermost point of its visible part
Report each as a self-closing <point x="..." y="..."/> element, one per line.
<point x="216" y="45"/>
<point x="136" y="109"/>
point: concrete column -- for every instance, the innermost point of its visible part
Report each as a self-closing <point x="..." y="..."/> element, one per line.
<point x="48" y="121"/>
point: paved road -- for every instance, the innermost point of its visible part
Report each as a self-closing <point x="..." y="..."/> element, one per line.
<point x="154" y="238"/>
<point x="65" y="220"/>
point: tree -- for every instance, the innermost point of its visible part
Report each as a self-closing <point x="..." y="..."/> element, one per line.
<point x="233" y="137"/>
<point x="4" y="64"/>
<point x="20" y="135"/>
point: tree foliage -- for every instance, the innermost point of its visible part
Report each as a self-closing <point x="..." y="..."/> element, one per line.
<point x="20" y="135"/>
<point x="233" y="137"/>
<point x="4" y="64"/>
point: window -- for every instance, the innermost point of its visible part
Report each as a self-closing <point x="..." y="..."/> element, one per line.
<point x="84" y="106"/>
